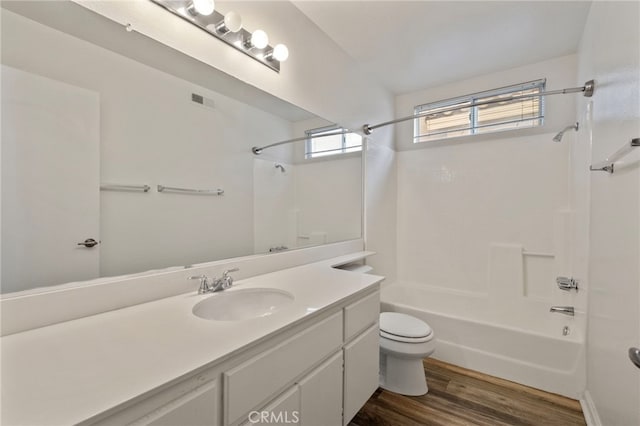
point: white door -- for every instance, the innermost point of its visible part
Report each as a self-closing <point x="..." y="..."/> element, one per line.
<point x="50" y="181"/>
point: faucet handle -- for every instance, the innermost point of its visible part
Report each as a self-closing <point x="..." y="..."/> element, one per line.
<point x="204" y="284"/>
<point x="567" y="283"/>
<point x="226" y="273"/>
<point x="227" y="280"/>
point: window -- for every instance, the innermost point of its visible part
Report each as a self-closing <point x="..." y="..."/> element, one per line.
<point x="340" y="143"/>
<point x="467" y="115"/>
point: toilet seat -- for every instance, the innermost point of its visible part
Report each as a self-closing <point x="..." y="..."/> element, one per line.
<point x="404" y="328"/>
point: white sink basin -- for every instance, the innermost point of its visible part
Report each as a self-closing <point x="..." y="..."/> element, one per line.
<point x="236" y="305"/>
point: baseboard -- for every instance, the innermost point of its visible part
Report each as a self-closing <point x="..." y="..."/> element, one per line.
<point x="589" y="410"/>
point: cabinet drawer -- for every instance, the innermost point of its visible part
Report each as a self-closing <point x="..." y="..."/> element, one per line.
<point x="361" y="315"/>
<point x="199" y="408"/>
<point x="256" y="380"/>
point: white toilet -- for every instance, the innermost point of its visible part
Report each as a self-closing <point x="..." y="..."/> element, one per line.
<point x="404" y="342"/>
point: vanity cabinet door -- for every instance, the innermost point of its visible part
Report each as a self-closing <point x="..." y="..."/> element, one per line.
<point x="321" y="394"/>
<point x="285" y="410"/>
<point x="360" y="371"/>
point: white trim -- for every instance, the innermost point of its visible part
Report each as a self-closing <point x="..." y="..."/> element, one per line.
<point x="589" y="410"/>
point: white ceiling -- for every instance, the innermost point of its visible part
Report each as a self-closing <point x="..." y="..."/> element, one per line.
<point x="412" y="45"/>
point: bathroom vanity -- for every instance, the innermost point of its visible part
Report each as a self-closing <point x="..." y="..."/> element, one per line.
<point x="312" y="361"/>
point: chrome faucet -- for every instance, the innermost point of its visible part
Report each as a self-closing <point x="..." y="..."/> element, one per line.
<point x="217" y="284"/>
<point x="204" y="283"/>
<point x="567" y="310"/>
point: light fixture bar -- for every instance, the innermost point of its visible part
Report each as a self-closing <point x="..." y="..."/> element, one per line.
<point x="211" y="25"/>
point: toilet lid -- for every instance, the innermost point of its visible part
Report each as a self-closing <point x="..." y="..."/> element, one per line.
<point x="402" y="325"/>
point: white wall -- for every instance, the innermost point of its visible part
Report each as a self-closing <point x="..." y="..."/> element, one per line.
<point x="468" y="208"/>
<point x="609" y="53"/>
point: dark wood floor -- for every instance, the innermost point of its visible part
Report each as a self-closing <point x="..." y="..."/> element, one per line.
<point x="458" y="396"/>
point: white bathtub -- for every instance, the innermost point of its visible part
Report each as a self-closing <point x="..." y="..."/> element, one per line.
<point x="518" y="341"/>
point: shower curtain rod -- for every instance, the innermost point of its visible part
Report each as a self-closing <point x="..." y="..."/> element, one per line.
<point x="258" y="150"/>
<point x="587" y="90"/>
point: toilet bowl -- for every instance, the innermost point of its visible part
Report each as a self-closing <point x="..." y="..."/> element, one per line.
<point x="404" y="342"/>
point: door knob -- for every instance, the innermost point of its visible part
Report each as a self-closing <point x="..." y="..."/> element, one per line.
<point x="634" y="356"/>
<point x="89" y="242"/>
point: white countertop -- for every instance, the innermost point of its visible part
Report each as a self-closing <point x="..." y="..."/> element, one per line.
<point x="68" y="372"/>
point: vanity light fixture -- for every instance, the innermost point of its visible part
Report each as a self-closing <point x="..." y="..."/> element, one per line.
<point x="201" y="7"/>
<point x="259" y="40"/>
<point x="228" y="28"/>
<point x="280" y="53"/>
<point x="231" y="22"/>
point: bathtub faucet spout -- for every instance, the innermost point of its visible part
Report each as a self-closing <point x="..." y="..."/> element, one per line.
<point x="567" y="310"/>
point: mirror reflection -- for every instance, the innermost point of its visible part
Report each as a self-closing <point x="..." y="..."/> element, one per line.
<point x="86" y="105"/>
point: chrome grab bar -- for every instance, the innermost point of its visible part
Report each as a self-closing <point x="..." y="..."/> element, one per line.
<point x="537" y="254"/>
<point x="162" y="188"/>
<point x="117" y="187"/>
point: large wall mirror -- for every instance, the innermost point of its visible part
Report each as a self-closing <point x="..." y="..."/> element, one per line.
<point x="86" y="104"/>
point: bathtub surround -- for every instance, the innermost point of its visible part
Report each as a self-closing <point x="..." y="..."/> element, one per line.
<point x="483" y="229"/>
<point x="463" y="235"/>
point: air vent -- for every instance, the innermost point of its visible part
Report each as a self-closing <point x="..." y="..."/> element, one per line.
<point x="201" y="100"/>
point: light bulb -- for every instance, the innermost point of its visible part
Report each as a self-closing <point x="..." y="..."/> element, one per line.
<point x="280" y="52"/>
<point x="233" y="22"/>
<point x="203" y="7"/>
<point x="259" y="39"/>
